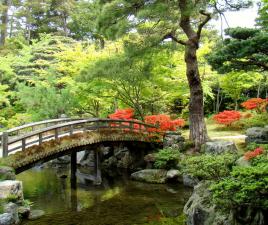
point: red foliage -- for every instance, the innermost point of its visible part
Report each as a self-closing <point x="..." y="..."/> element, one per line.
<point x="254" y="103"/>
<point x="252" y="154"/>
<point x="164" y="123"/>
<point x="123" y="114"/>
<point x="227" y="117"/>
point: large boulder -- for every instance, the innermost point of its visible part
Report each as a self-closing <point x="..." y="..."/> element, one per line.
<point x="6" y="219"/>
<point x="157" y="176"/>
<point x="220" y="147"/>
<point x="173" y="140"/>
<point x="7" y="173"/>
<point x="12" y="208"/>
<point x="11" y="188"/>
<point x="257" y="134"/>
<point x="200" y="210"/>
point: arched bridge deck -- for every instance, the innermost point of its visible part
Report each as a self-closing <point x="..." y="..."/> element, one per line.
<point x="42" y="140"/>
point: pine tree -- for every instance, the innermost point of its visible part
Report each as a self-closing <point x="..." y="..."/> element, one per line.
<point x="181" y="21"/>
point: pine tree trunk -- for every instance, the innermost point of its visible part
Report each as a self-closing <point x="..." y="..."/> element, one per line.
<point x="198" y="131"/>
<point x="4" y="22"/>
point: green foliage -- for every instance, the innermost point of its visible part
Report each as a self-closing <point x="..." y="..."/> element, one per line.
<point x="209" y="167"/>
<point x="246" y="186"/>
<point x="245" y="50"/>
<point x="257" y="120"/>
<point x="167" y="158"/>
<point x="12" y="198"/>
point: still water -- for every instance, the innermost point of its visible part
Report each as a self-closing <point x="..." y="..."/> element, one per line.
<point x="118" y="201"/>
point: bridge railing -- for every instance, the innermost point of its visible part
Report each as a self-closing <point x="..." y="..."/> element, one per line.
<point x="33" y="137"/>
<point x="7" y="135"/>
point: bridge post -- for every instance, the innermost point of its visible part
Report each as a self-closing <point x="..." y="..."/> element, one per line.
<point x="4" y="142"/>
<point x="73" y="169"/>
<point x="97" y="169"/>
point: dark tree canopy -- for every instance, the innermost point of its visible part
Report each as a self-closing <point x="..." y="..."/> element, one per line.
<point x="244" y="49"/>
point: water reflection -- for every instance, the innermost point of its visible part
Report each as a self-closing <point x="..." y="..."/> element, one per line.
<point x="116" y="202"/>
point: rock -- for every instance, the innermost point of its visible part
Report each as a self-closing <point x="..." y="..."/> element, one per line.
<point x="24" y="211"/>
<point x="220" y="147"/>
<point x="173" y="174"/>
<point x="173" y="140"/>
<point x="149" y="159"/>
<point x="11" y="187"/>
<point x="110" y="162"/>
<point x="189" y="181"/>
<point x="6" y="219"/>
<point x="12" y="208"/>
<point x="120" y="151"/>
<point x="258" y="135"/>
<point x="200" y="211"/>
<point x="157" y="176"/>
<point x="88" y="159"/>
<point x="126" y="161"/>
<point x="242" y="162"/>
<point x="7" y="173"/>
<point x="36" y="214"/>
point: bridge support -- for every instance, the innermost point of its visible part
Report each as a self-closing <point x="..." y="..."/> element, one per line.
<point x="97" y="169"/>
<point x="73" y="169"/>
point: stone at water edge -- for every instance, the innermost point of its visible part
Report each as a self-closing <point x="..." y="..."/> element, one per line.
<point x="220" y="147"/>
<point x="189" y="181"/>
<point x="157" y="176"/>
<point x="11" y="187"/>
<point x="6" y="219"/>
<point x="36" y="214"/>
<point x="24" y="211"/>
<point x="200" y="211"/>
<point x="173" y="174"/>
<point x="12" y="208"/>
<point x="7" y="173"/>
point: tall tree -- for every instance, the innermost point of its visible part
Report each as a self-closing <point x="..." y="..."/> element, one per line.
<point x="4" y="21"/>
<point x="181" y="21"/>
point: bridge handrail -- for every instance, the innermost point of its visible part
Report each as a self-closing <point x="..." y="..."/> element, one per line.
<point x="28" y="125"/>
<point x="56" y="128"/>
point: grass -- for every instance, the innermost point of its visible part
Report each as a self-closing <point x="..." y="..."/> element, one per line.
<point x="217" y="131"/>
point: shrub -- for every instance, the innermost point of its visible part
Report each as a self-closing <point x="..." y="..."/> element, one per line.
<point x="126" y="114"/>
<point x="257" y="104"/>
<point x="247" y="186"/>
<point x="227" y="117"/>
<point x="164" y="122"/>
<point x="166" y="158"/>
<point x="256" y="120"/>
<point x="209" y="167"/>
<point x="252" y="154"/>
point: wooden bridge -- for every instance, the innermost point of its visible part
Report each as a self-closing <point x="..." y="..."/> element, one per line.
<point x="41" y="141"/>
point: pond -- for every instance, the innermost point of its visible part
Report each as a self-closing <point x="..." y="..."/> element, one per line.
<point x="115" y="202"/>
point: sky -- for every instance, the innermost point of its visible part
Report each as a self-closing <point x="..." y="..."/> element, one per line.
<point x="242" y="18"/>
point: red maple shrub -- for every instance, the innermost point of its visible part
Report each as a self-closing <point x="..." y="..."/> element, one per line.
<point x="227" y="117"/>
<point x="257" y="104"/>
<point x="164" y="123"/>
<point x="252" y="154"/>
<point x="123" y="114"/>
